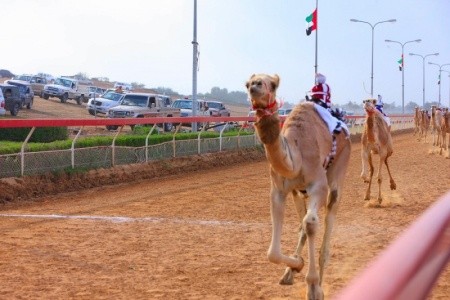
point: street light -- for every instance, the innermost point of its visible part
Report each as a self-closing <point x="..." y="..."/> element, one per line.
<point x="448" y="87"/>
<point x="423" y="74"/>
<point x="373" y="29"/>
<point x="403" y="67"/>
<point x="440" y="71"/>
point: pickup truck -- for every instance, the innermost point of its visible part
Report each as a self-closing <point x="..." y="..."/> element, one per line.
<point x="65" y="89"/>
<point x="37" y="85"/>
<point x="144" y="105"/>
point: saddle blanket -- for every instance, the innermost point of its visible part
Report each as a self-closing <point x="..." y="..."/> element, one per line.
<point x="332" y="122"/>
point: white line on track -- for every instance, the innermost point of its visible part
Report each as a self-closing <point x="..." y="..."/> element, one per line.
<point x="131" y="219"/>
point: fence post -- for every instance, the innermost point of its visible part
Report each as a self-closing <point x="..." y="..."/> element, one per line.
<point x="72" y="149"/>
<point x="174" y="146"/>
<point x="113" y="147"/>
<point x="199" y="140"/>
<point x="22" y="151"/>
<point x="146" y="141"/>
<point x="221" y="137"/>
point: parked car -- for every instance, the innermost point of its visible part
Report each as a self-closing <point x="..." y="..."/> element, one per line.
<point x="37" y="85"/>
<point x="102" y="104"/>
<point x="11" y="95"/>
<point x="143" y="105"/>
<point x="25" y="91"/>
<point x="217" y="109"/>
<point x="284" y="111"/>
<point x="95" y="92"/>
<point x="125" y="86"/>
<point x="2" y="104"/>
<point x="186" y="105"/>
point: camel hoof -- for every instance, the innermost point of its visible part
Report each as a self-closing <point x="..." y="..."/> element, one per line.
<point x="288" y="277"/>
<point x="393" y="186"/>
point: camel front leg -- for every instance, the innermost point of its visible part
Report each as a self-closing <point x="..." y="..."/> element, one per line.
<point x="300" y="205"/>
<point x="383" y="156"/>
<point x="365" y="164"/>
<point x="278" y="199"/>
<point x="371" y="170"/>
<point x="393" y="185"/>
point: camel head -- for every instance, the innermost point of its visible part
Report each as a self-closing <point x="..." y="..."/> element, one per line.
<point x="262" y="91"/>
<point x="369" y="105"/>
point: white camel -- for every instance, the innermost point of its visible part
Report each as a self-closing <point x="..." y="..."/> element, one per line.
<point x="303" y="156"/>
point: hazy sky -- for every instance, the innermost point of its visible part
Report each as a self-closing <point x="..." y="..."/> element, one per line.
<point x="149" y="42"/>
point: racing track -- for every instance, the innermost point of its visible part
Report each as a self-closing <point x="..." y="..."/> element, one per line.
<point x="202" y="234"/>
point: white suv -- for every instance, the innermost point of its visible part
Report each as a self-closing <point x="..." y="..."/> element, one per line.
<point x="102" y="104"/>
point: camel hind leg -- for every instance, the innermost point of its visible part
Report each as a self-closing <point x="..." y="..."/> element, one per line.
<point x="300" y="205"/>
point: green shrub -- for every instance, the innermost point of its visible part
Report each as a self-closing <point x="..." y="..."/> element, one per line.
<point x="40" y="134"/>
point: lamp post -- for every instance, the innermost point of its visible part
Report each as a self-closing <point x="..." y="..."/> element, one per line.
<point x="448" y="86"/>
<point x="403" y="67"/>
<point x="440" y="71"/>
<point x="423" y="74"/>
<point x="373" y="30"/>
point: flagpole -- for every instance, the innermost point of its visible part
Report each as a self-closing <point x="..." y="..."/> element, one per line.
<point x="317" y="37"/>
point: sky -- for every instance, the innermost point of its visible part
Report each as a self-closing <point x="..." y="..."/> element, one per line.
<point x="150" y="42"/>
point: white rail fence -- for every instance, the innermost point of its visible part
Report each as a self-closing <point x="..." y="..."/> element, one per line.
<point x="33" y="163"/>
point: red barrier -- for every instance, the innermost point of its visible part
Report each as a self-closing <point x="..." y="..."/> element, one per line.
<point x="410" y="266"/>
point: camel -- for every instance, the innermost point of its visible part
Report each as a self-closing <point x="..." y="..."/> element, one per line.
<point x="424" y="125"/>
<point x="376" y="139"/>
<point x="436" y="120"/>
<point x="417" y="120"/>
<point x="445" y="130"/>
<point x="306" y="161"/>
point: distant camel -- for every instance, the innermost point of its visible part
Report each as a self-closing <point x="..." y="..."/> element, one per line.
<point x="445" y="130"/>
<point x="303" y="156"/>
<point x="436" y="123"/>
<point x="417" y="118"/>
<point x="424" y="124"/>
<point x="376" y="139"/>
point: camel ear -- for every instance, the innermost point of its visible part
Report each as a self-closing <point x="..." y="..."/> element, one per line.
<point x="247" y="84"/>
<point x="275" y="81"/>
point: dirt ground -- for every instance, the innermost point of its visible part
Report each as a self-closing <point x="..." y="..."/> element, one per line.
<point x="195" y="228"/>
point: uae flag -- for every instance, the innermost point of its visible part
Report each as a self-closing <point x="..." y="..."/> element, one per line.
<point x="311" y="22"/>
<point x="400" y="63"/>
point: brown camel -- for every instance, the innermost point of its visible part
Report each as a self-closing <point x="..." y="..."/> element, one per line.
<point x="376" y="139"/>
<point x="436" y="123"/>
<point x="424" y="125"/>
<point x="445" y="130"/>
<point x="417" y="120"/>
<point x="299" y="155"/>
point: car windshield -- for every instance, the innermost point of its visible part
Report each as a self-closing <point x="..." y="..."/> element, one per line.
<point x="184" y="104"/>
<point x="112" y="96"/>
<point x="23" y="77"/>
<point x="64" y="82"/>
<point x="135" y="100"/>
<point x="217" y="105"/>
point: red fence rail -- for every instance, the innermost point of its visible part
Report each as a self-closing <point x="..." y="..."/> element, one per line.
<point x="410" y="266"/>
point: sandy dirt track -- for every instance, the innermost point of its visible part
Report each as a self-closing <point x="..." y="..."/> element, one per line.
<point x="200" y="233"/>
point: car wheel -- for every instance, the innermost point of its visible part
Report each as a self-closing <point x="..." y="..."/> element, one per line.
<point x="92" y="112"/>
<point x="168" y="127"/>
<point x="41" y="95"/>
<point x="30" y="104"/>
<point x="64" y="98"/>
<point x="80" y="100"/>
<point x="15" y="109"/>
<point x="45" y="96"/>
<point x="112" y="127"/>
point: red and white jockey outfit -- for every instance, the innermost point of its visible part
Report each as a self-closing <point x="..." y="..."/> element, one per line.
<point x="321" y="90"/>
